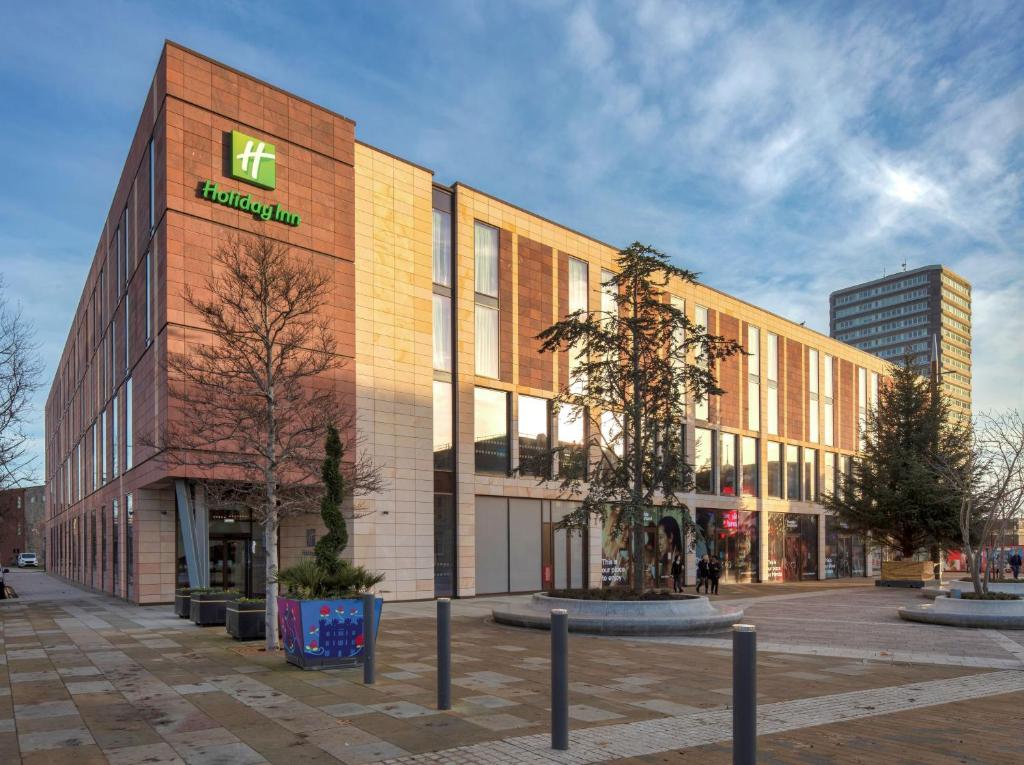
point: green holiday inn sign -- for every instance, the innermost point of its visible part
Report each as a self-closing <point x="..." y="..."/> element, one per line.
<point x="253" y="161"/>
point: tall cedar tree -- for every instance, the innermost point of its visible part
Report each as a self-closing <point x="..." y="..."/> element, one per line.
<point x="640" y="362"/>
<point x="891" y="492"/>
<point x="252" y="406"/>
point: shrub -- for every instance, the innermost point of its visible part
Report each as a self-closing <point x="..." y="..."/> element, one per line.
<point x="989" y="596"/>
<point x="615" y="594"/>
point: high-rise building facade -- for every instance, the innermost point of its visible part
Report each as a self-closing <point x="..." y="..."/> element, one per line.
<point x="923" y="315"/>
<point x="438" y="294"/>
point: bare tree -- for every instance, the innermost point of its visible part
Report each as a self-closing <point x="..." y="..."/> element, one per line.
<point x="989" y="487"/>
<point x="20" y="370"/>
<point x="254" y="401"/>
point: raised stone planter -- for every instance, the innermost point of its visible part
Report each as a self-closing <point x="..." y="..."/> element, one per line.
<point x="1011" y="588"/>
<point x="686" y="615"/>
<point x="957" y="612"/>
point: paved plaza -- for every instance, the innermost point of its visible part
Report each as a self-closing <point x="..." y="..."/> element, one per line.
<point x="85" y="678"/>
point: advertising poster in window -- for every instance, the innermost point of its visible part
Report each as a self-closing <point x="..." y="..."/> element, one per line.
<point x="663" y="540"/>
<point x="792" y="547"/>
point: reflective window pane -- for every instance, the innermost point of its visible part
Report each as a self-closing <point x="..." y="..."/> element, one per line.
<point x="703" y="460"/>
<point x="442" y="333"/>
<point x="442" y="248"/>
<point x="571" y="434"/>
<point x="792" y="472"/>
<point x="774" y="470"/>
<point x="486" y="341"/>
<point x="750" y="472"/>
<point x="534" y="436"/>
<point x="485" y="241"/>
<point x="444" y="452"/>
<point x="727" y="464"/>
<point x="490" y="427"/>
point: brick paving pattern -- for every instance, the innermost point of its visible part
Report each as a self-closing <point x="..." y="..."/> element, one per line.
<point x="84" y="678"/>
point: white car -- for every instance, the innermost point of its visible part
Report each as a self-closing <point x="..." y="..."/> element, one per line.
<point x="27" y="559"/>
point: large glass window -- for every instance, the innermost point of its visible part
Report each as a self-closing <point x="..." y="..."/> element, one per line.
<point x="792" y="547"/>
<point x="486" y="341"/>
<point x="774" y="470"/>
<point x="115" y="541"/>
<point x="772" y="425"/>
<point x="444" y="450"/>
<point x="490" y="427"/>
<point x="578" y="289"/>
<point x="534" y="436"/>
<point x="704" y="460"/>
<point x="753" y="378"/>
<point x="701" y="404"/>
<point x="829" y="402"/>
<point x="812" y="395"/>
<point x="862" y="403"/>
<point x="810" y="475"/>
<point x="732" y="536"/>
<point x="486" y="256"/>
<point x="572" y="432"/>
<point x="128" y="417"/>
<point x="152" y="186"/>
<point x="750" y="471"/>
<point x="129" y="545"/>
<point x="442" y="257"/>
<point x="612" y="439"/>
<point x="149" y="297"/>
<point x="829" y="474"/>
<point x="792" y="472"/>
<point x="442" y="333"/>
<point x="103" y="444"/>
<point x="727" y="464"/>
<point x="115" y="437"/>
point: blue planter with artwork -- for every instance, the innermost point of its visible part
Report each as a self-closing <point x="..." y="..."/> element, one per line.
<point x="324" y="634"/>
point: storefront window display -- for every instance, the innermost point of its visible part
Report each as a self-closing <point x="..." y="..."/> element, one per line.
<point x="663" y="540"/>
<point x="732" y="536"/>
<point x="844" y="551"/>
<point x="792" y="547"/>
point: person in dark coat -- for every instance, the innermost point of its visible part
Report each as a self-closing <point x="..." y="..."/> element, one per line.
<point x="714" y="573"/>
<point x="677" y="573"/>
<point x="1015" y="562"/>
<point x="702" y="574"/>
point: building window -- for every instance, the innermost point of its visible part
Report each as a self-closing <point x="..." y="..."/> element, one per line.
<point x="115" y="542"/>
<point x="490" y="426"/>
<point x="442" y="250"/>
<point x="700" y="407"/>
<point x="103" y="443"/>
<point x="829" y="403"/>
<point x="829" y="475"/>
<point x="125" y="247"/>
<point x="873" y="392"/>
<point x="810" y="475"/>
<point x="792" y="472"/>
<point x="845" y="469"/>
<point x="773" y="384"/>
<point x="129" y="545"/>
<point x="149" y="297"/>
<point x="534" y="436"/>
<point x="95" y="460"/>
<point x="127" y="331"/>
<point x="486" y="342"/>
<point x="753" y="378"/>
<point x="442" y="333"/>
<point x="572" y="433"/>
<point x="486" y="255"/>
<point x="115" y="435"/>
<point x="578" y="290"/>
<point x="128" y="457"/>
<point x="679" y="343"/>
<point x="703" y="460"/>
<point x="152" y="187"/>
<point x="727" y="464"/>
<point x="862" y="403"/>
<point x="444" y="449"/>
<point x="812" y="397"/>
<point x="750" y="471"/>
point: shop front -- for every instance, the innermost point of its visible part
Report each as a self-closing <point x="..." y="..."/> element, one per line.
<point x="662" y="543"/>
<point x="845" y="552"/>
<point x="235" y="559"/>
<point x="732" y="536"/>
<point x="792" y="547"/>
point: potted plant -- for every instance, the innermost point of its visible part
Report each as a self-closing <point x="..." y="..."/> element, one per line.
<point x="183" y="602"/>
<point x="209" y="605"/>
<point x="246" y="618"/>
<point x="320" y="614"/>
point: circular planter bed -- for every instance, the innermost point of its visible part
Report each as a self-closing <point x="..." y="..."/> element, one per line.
<point x="966" y="585"/>
<point x="962" y="612"/>
<point x="679" y="615"/>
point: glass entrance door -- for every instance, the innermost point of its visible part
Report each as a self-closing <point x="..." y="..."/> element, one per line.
<point x="230" y="564"/>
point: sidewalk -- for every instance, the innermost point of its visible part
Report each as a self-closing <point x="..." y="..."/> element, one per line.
<point x="85" y="678"/>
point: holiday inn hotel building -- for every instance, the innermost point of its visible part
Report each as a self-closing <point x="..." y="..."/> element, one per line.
<point x="437" y="295"/>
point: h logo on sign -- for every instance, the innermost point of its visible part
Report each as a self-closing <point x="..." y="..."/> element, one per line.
<point x="253" y="160"/>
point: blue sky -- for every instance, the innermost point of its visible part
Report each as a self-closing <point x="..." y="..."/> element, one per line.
<point x="781" y="149"/>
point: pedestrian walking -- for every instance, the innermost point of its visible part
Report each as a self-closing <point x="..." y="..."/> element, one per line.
<point x="1015" y="563"/>
<point x="677" y="573"/>
<point x="702" y="574"/>
<point x="714" y="573"/>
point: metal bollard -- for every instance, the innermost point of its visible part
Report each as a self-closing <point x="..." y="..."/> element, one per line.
<point x="559" y="679"/>
<point x="369" y="637"/>
<point x="444" y="653"/>
<point x="744" y="694"/>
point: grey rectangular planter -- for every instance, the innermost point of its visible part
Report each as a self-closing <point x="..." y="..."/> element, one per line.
<point x="183" y="602"/>
<point x="246" y="621"/>
<point x="209" y="609"/>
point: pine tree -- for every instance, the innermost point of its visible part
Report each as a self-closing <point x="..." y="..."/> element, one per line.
<point x="639" y="363"/>
<point x="330" y="546"/>
<point x="891" y="492"/>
